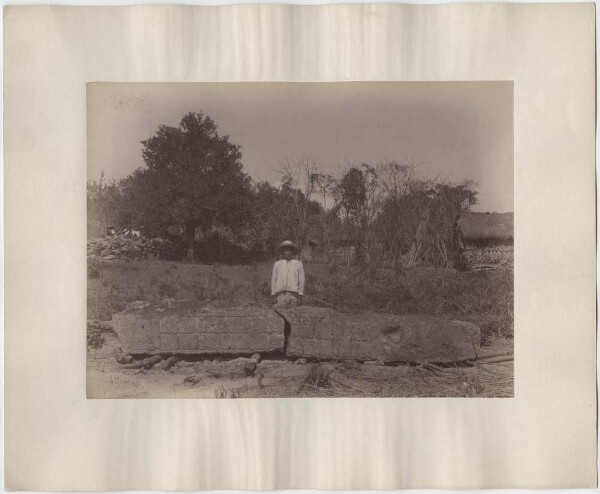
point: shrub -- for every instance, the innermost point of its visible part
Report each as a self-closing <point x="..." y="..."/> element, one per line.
<point x="94" y="267"/>
<point x="105" y="301"/>
<point x="485" y="298"/>
<point x="95" y="340"/>
<point x="218" y="245"/>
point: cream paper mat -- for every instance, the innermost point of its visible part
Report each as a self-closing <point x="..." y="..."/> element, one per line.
<point x="58" y="440"/>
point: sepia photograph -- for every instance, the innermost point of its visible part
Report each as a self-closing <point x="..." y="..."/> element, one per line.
<point x="300" y="240"/>
<point x="279" y="246"/>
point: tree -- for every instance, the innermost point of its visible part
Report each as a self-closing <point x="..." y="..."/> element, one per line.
<point x="324" y="185"/>
<point x="352" y="191"/>
<point x="192" y="176"/>
<point x="419" y="216"/>
<point x="360" y="194"/>
<point x="104" y="205"/>
<point x="401" y="211"/>
<point x="391" y="213"/>
<point x="297" y="180"/>
<point x="274" y="217"/>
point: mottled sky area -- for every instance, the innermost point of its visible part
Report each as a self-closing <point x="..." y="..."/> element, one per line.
<point x="457" y="130"/>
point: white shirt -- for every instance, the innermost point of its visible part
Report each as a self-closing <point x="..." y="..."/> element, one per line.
<point x="288" y="276"/>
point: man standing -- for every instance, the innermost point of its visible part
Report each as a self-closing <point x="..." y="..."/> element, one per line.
<point x="287" y="282"/>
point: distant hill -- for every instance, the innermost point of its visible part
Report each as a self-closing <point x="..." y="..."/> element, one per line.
<point x="487" y="228"/>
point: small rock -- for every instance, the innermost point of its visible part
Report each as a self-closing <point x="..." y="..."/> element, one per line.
<point x="195" y="379"/>
<point x="132" y="365"/>
<point x="167" y="364"/>
<point x="150" y="362"/>
<point x="259" y="378"/>
<point x="122" y="357"/>
<point x="250" y="367"/>
<point x="125" y="359"/>
<point x="300" y="361"/>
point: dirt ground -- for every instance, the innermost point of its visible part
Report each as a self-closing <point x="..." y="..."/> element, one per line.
<point x="286" y="379"/>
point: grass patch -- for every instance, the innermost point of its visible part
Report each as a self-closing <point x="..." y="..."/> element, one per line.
<point x="222" y="392"/>
<point x="120" y="283"/>
<point x="484" y="297"/>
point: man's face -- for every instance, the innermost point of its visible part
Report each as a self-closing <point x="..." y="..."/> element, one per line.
<point x="287" y="254"/>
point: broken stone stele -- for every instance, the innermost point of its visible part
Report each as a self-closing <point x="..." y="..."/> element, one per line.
<point x="184" y="329"/>
<point x="323" y="333"/>
<point x="298" y="332"/>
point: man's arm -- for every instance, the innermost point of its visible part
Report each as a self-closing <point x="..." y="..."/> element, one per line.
<point x="274" y="279"/>
<point x="300" y="279"/>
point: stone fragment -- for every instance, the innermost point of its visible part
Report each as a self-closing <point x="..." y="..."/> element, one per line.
<point x="151" y="361"/>
<point x="121" y="357"/>
<point x="228" y="369"/>
<point x="133" y="365"/>
<point x="167" y="363"/>
<point x="184" y="330"/>
<point x="323" y="333"/>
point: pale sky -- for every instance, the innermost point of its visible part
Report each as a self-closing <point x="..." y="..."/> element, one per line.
<point x="457" y="130"/>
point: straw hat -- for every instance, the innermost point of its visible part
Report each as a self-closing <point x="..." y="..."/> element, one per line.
<point x="288" y="244"/>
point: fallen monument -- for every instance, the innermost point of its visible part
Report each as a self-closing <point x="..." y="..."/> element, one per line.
<point x="310" y="332"/>
<point x="323" y="333"/>
<point x="184" y="330"/>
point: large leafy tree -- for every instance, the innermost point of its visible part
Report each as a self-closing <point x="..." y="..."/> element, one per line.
<point x="353" y="191"/>
<point x="275" y="216"/>
<point x="360" y="195"/>
<point x="192" y="177"/>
